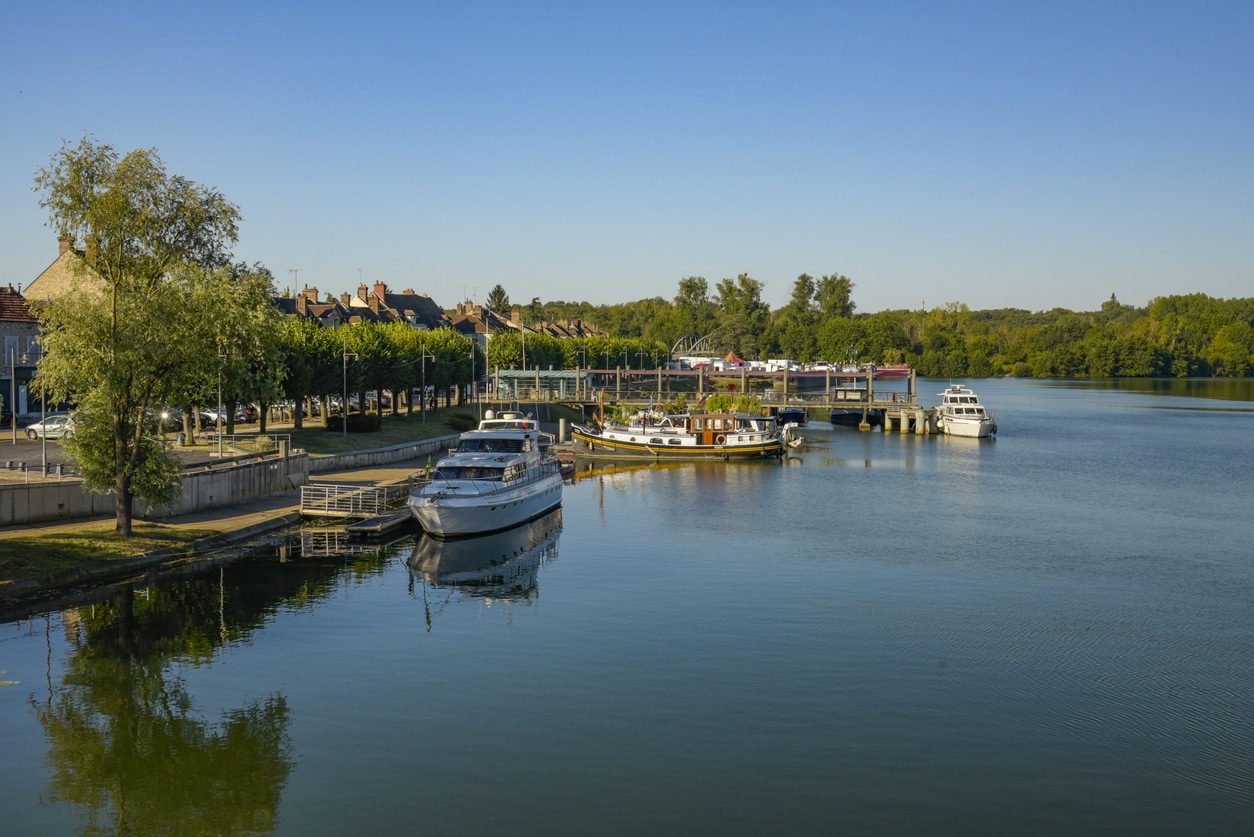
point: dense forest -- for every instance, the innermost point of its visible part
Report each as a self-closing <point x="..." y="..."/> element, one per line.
<point x="1173" y="336"/>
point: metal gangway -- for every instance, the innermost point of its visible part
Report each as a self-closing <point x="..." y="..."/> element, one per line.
<point x="352" y="501"/>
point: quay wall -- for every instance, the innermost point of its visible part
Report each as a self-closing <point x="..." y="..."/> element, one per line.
<point x="22" y="503"/>
<point x="382" y="456"/>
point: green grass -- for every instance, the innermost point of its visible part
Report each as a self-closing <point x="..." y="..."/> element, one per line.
<point x="42" y="556"/>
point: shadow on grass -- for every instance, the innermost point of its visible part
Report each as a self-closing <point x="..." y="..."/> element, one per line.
<point x="49" y="553"/>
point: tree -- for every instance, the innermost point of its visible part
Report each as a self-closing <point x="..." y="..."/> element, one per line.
<point x="116" y="349"/>
<point x="743" y="316"/>
<point x="834" y="296"/>
<point x="498" y="299"/>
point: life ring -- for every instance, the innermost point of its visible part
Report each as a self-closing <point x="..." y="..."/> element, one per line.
<point x="720" y="439"/>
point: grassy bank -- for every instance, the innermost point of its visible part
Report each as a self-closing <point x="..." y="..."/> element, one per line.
<point x="49" y="554"/>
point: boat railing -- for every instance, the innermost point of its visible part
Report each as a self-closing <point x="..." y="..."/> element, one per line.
<point x="479" y="486"/>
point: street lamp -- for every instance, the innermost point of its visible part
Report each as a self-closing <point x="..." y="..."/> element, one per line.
<point x="344" y="403"/>
<point x="13" y="392"/>
<point x="425" y="355"/>
<point x="474" y="384"/>
<point x="221" y="357"/>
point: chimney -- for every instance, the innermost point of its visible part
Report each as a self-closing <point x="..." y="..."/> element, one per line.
<point x="302" y="304"/>
<point x="363" y="292"/>
<point x="515" y="316"/>
<point x="310" y="293"/>
<point x="344" y="298"/>
<point x="460" y="309"/>
<point x="380" y="289"/>
<point x="374" y="303"/>
<point x="65" y="241"/>
<point x="479" y="311"/>
<point x="93" y="246"/>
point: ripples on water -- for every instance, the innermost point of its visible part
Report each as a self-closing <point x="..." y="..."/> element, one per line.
<point x="1045" y="632"/>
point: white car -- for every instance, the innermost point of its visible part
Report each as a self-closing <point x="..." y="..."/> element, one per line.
<point x="52" y="427"/>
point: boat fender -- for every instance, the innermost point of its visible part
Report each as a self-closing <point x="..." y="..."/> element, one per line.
<point x="720" y="439"/>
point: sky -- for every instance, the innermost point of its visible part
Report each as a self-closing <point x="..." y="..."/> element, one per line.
<point x="1030" y="155"/>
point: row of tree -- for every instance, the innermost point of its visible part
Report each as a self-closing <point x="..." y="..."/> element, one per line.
<point x="1180" y="336"/>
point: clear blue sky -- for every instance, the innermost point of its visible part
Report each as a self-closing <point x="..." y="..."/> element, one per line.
<point x="1002" y="154"/>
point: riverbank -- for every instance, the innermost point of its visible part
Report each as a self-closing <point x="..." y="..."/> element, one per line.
<point x="37" y="559"/>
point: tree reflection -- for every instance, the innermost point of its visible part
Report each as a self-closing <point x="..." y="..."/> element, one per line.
<point x="126" y="741"/>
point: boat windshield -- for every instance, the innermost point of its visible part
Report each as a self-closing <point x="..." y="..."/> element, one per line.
<point x="491" y="445"/>
<point x="467" y="472"/>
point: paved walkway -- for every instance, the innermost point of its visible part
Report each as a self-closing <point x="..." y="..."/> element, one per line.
<point x="245" y="515"/>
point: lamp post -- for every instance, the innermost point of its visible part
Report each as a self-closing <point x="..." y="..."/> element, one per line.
<point x="13" y="392"/>
<point x="221" y="357"/>
<point x="583" y="361"/>
<point x="425" y="355"/>
<point x="344" y="403"/>
<point x="474" y="384"/>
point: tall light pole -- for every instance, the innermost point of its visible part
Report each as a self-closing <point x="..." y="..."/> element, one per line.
<point x="425" y="355"/>
<point x="583" y="361"/>
<point x="344" y="403"/>
<point x="474" y="384"/>
<point x="221" y="357"/>
<point x="13" y="392"/>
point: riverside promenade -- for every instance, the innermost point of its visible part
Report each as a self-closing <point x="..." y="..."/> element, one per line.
<point x="230" y="524"/>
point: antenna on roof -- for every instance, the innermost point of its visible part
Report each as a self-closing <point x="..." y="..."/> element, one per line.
<point x="295" y="271"/>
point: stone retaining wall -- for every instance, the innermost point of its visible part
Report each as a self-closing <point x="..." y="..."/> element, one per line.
<point x="221" y="486"/>
<point x="434" y="448"/>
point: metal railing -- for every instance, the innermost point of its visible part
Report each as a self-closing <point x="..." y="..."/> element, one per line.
<point x="325" y="500"/>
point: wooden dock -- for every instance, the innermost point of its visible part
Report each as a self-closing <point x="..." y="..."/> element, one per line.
<point x="380" y="525"/>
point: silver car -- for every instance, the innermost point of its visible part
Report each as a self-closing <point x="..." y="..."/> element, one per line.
<point x="52" y="427"/>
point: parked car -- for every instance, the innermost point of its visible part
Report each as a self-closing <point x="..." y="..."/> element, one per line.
<point x="52" y="427"/>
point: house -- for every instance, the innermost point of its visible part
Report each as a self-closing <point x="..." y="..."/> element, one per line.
<point x="70" y="272"/>
<point x="330" y="313"/>
<point x="480" y="324"/>
<point x="20" y="330"/>
<point x="380" y="304"/>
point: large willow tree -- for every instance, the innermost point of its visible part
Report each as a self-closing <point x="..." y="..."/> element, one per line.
<point x="129" y="337"/>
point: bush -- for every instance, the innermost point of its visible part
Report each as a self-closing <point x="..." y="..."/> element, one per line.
<point x="357" y="423"/>
<point x="461" y="422"/>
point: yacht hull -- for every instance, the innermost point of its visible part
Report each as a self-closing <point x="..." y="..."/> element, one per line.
<point x="448" y="514"/>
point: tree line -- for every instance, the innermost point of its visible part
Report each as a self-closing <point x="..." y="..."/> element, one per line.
<point x="1172" y="336"/>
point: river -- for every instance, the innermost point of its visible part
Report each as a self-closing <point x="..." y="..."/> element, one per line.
<point x="1048" y="631"/>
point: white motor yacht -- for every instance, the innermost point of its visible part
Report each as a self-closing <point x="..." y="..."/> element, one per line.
<point x="496" y="477"/>
<point x="960" y="413"/>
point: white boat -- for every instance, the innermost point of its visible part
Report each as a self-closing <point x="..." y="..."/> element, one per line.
<point x="960" y="413"/>
<point x="497" y="477"/>
<point x="725" y="436"/>
<point x="503" y="565"/>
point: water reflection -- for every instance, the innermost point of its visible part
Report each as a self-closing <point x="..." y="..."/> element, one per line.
<point x="126" y="742"/>
<point x="503" y="565"/>
<point x="1223" y="389"/>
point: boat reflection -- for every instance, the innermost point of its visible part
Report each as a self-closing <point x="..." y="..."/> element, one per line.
<point x="503" y="565"/>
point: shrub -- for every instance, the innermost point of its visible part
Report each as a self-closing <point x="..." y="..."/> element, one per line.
<point x="357" y="423"/>
<point x="461" y="422"/>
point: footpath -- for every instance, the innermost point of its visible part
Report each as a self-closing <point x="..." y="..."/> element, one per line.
<point x="230" y="525"/>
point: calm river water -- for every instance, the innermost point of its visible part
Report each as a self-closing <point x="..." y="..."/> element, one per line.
<point x="1048" y="632"/>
